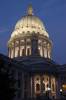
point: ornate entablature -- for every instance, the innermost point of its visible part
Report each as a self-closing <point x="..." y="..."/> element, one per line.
<point x="29" y="38"/>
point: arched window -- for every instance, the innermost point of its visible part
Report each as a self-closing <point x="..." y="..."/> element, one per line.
<point x="47" y="85"/>
<point x="18" y="53"/>
<point x="28" y="51"/>
<point x="23" y="32"/>
<point x="28" y="31"/>
<point x="53" y="89"/>
<point x="37" y="87"/>
<point x="23" y="52"/>
<point x="37" y="84"/>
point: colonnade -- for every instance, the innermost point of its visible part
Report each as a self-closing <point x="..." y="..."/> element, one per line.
<point x="24" y="48"/>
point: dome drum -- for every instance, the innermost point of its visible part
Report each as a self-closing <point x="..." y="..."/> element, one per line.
<point x="28" y="36"/>
<point x="41" y="44"/>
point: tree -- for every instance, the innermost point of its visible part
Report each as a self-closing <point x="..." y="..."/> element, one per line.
<point x="7" y="83"/>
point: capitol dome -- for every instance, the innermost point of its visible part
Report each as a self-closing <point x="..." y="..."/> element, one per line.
<point x="29" y="37"/>
<point x="29" y="23"/>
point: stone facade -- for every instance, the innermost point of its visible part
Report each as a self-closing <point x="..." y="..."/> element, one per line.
<point x="35" y="79"/>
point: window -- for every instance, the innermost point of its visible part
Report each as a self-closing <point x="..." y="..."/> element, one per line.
<point x="37" y="87"/>
<point x="23" y="32"/>
<point x="18" y="53"/>
<point x="47" y="79"/>
<point x="23" y="52"/>
<point x="37" y="84"/>
<point x="28" y="51"/>
<point x="37" y="79"/>
<point x="28" y="31"/>
<point x="43" y="79"/>
<point x="47" y="85"/>
<point x="27" y="26"/>
<point x="53" y="87"/>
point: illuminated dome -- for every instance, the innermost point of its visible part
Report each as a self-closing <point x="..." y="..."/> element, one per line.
<point x="29" y="23"/>
<point x="29" y="38"/>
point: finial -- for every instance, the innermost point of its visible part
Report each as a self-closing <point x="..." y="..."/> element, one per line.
<point x="30" y="10"/>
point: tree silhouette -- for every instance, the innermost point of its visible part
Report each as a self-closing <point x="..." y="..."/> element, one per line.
<point x="7" y="83"/>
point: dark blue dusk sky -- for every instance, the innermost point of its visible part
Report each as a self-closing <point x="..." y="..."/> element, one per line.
<point x="51" y="12"/>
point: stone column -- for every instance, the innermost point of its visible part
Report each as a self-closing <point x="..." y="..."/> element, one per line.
<point x="28" y="86"/>
<point x="25" y="46"/>
<point x="50" y="86"/>
<point x="33" y="88"/>
<point x="19" y="47"/>
<point x="22" y="85"/>
<point x="47" y="49"/>
<point x="8" y="52"/>
<point x="41" y="84"/>
<point x="16" y="85"/>
<point x="58" y="87"/>
<point x="42" y="49"/>
<point x="14" y="48"/>
<point x="11" y="51"/>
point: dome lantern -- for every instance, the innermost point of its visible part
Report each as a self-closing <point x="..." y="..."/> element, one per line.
<point x="30" y="10"/>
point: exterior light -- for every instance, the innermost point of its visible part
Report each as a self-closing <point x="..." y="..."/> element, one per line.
<point x="61" y="93"/>
<point x="48" y="89"/>
<point x="60" y="90"/>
